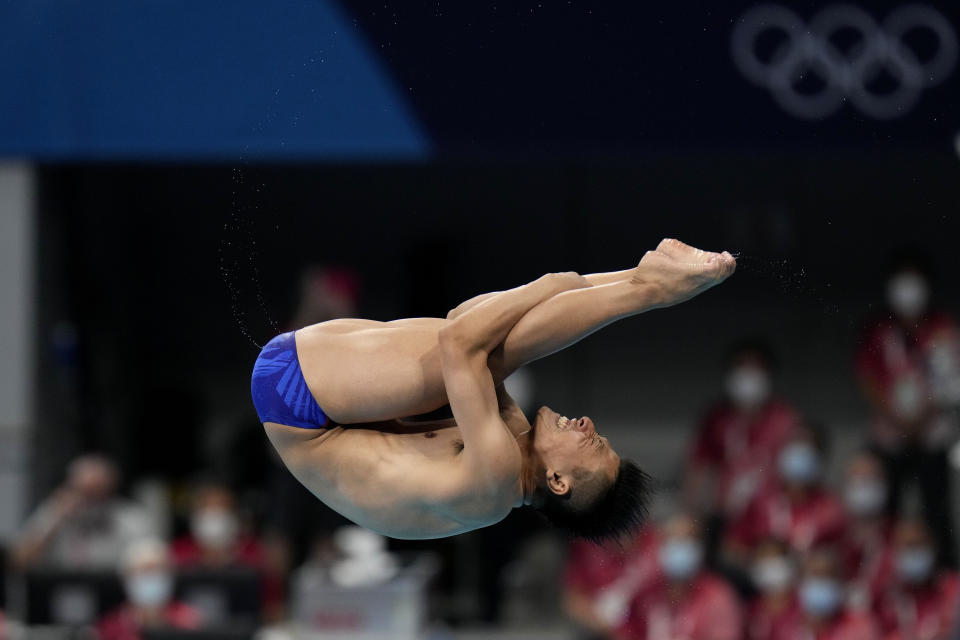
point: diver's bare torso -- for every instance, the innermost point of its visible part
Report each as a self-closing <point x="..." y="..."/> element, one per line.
<point x="375" y="474"/>
<point x="389" y="475"/>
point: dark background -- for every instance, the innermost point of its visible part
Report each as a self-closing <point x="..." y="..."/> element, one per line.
<point x="173" y="275"/>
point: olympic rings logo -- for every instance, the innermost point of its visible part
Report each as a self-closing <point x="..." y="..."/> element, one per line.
<point x="845" y="73"/>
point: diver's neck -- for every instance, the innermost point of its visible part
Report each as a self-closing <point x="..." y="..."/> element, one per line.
<point x="531" y="469"/>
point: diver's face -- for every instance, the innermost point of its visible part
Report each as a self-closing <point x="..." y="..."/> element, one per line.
<point x="569" y="443"/>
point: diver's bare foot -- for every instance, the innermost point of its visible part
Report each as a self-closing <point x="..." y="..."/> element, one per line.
<point x="676" y="271"/>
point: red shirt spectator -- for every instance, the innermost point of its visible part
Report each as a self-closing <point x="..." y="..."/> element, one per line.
<point x="148" y="582"/>
<point x="925" y="612"/>
<point x="216" y="541"/>
<point x="740" y="447"/>
<point x="845" y="625"/>
<point x="246" y="551"/>
<point x="765" y="616"/>
<point x="773" y="573"/>
<point x="600" y="581"/>
<point x="813" y="518"/>
<point x="903" y="370"/>
<point x="867" y="556"/>
<point x="706" y="609"/>
<point x="866" y="550"/>
<point x="123" y="624"/>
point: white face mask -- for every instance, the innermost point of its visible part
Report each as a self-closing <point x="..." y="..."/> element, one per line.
<point x="680" y="558"/>
<point x="799" y="463"/>
<point x="150" y="588"/>
<point x="865" y="497"/>
<point x="915" y="565"/>
<point x="215" y="527"/>
<point x="748" y="386"/>
<point x="772" y="575"/>
<point x="908" y="294"/>
<point x="821" y="597"/>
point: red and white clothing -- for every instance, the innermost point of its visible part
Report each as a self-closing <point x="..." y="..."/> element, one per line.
<point x="867" y="555"/>
<point x="707" y="610"/>
<point x="928" y="612"/>
<point x="122" y="624"/>
<point x="815" y="519"/>
<point x="741" y="449"/>
<point x="611" y="577"/>
<point x="922" y="364"/>
<point x="846" y="625"/>
<point x="247" y="551"/>
<point x="764" y="615"/>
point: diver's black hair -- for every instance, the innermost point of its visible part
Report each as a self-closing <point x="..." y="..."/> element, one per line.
<point x="619" y="509"/>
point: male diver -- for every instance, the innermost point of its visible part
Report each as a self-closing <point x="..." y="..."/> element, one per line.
<point x="336" y="400"/>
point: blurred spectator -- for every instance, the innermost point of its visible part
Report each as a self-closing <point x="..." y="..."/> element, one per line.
<point x="773" y="573"/>
<point x="688" y="601"/>
<point x="922" y="600"/>
<point x="326" y="293"/>
<point x="148" y="581"/>
<point x="600" y="581"/>
<point x="738" y="440"/>
<point x="217" y="540"/>
<point x="84" y="524"/>
<point x="797" y="507"/>
<point x="909" y="366"/>
<point x="866" y="547"/>
<point x="822" y="614"/>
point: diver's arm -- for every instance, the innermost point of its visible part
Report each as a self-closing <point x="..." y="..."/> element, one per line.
<point x="484" y="326"/>
<point x="490" y="452"/>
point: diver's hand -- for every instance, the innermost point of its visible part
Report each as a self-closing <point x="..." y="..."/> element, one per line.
<point x="675" y="271"/>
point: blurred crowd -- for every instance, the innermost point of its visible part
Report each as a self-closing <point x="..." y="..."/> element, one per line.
<point x="758" y="541"/>
<point x="759" y="544"/>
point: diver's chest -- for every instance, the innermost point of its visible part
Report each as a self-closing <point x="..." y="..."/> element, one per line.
<point x="442" y="443"/>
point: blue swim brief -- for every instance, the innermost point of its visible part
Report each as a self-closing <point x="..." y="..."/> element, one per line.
<point x="280" y="393"/>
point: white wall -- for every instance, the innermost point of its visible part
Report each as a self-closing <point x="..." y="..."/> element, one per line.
<point x="16" y="337"/>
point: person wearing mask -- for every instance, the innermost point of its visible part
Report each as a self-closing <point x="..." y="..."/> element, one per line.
<point x="773" y="574"/>
<point x="822" y="613"/>
<point x="688" y="601"/>
<point x="922" y="600"/>
<point x="600" y="580"/>
<point x="84" y="524"/>
<point x="796" y="507"/>
<point x="908" y="363"/>
<point x="217" y="540"/>
<point x="739" y="437"/>
<point x="866" y="546"/>
<point x="147" y="574"/>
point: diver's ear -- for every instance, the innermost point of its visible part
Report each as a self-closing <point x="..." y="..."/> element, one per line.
<point x="557" y="483"/>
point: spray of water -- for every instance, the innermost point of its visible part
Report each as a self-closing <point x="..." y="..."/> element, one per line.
<point x="239" y="261"/>
<point x="791" y="280"/>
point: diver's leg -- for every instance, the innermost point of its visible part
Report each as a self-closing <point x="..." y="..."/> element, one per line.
<point x="594" y="279"/>
<point x="361" y="371"/>
<point x="372" y="371"/>
<point x="673" y="273"/>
